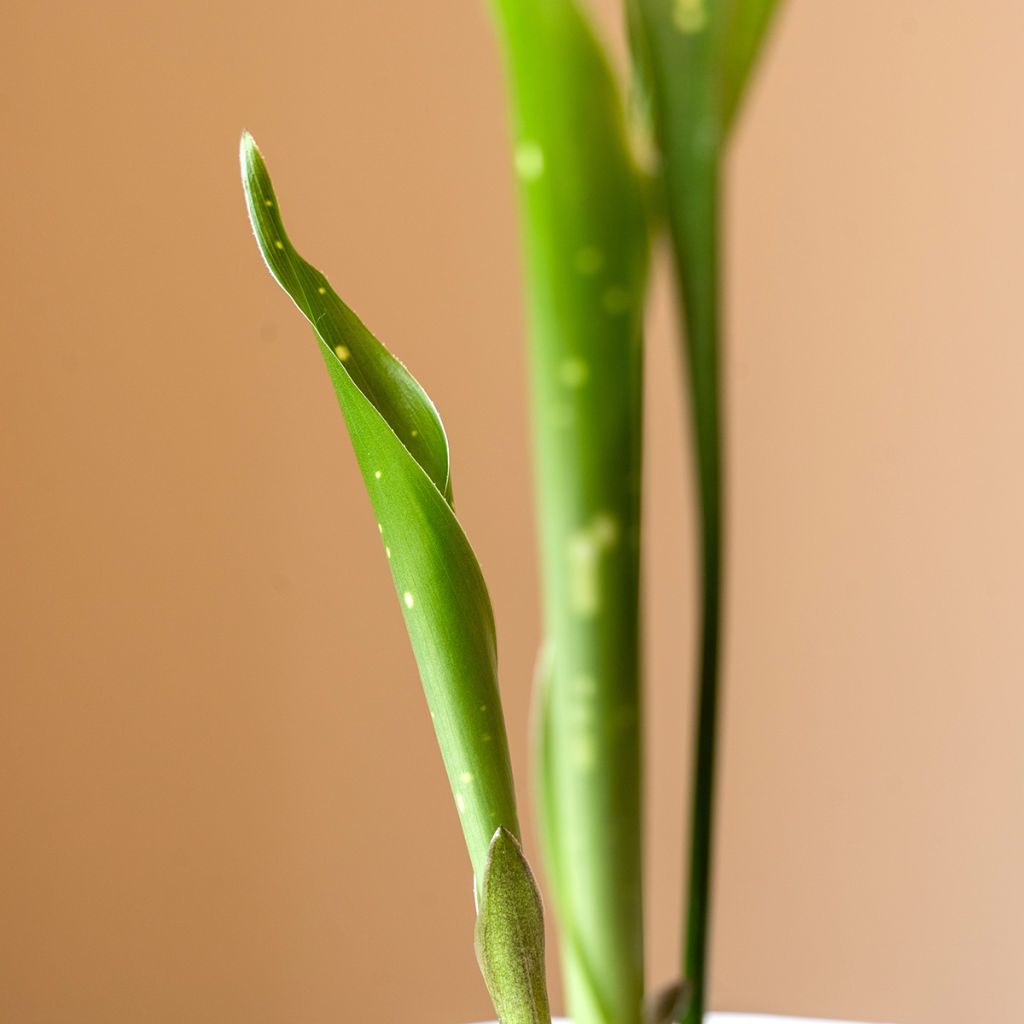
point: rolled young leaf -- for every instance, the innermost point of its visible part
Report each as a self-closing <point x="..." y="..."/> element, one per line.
<point x="695" y="58"/>
<point x="512" y="959"/>
<point x="402" y="453"/>
<point x="586" y="261"/>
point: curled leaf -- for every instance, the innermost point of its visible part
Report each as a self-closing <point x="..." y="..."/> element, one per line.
<point x="402" y="452"/>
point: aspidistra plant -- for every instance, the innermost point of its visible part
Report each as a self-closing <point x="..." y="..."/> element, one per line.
<point x="587" y="211"/>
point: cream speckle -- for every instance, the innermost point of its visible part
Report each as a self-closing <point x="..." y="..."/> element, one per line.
<point x="529" y="160"/>
<point x="573" y="372"/>
<point x="278" y="244"/>
<point x="380" y="529"/>
<point x="377" y="475"/>
<point x="605" y="530"/>
<point x="584" y="556"/>
<point x="584" y="752"/>
<point x="466" y="778"/>
<point x="589" y="260"/>
<point x="321" y="290"/>
<point x="343" y="354"/>
<point x="615" y="301"/>
<point x="387" y="551"/>
<point x="689" y="16"/>
<point x="584" y="593"/>
<point x="460" y="802"/>
<point x="408" y="599"/>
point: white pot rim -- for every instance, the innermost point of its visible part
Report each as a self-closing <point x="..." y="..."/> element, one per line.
<point x="744" y="1018"/>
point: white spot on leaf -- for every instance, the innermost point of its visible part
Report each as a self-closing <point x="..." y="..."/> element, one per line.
<point x="408" y="599"/>
<point x="586" y="547"/>
<point x="573" y="372"/>
<point x="689" y="16"/>
<point x="529" y="160"/>
<point x="584" y="753"/>
<point x="605" y="530"/>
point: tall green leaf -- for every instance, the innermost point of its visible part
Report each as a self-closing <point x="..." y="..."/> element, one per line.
<point x="586" y="253"/>
<point x="695" y="58"/>
<point x="402" y="453"/>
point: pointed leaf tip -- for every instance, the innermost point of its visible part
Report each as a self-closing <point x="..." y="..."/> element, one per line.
<point x="348" y="345"/>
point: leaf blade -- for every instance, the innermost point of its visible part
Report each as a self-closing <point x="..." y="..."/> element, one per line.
<point x="402" y="453"/>
<point x="382" y="378"/>
<point x="585" y="257"/>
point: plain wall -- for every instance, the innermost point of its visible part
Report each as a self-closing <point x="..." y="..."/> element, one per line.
<point x="220" y="799"/>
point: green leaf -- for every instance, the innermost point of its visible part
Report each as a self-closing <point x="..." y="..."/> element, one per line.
<point x="747" y="26"/>
<point x="402" y="453"/>
<point x="586" y="252"/>
<point x="697" y="57"/>
<point x="510" y="935"/>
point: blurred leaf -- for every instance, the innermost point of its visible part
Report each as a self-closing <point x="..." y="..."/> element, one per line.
<point x="748" y="23"/>
<point x="697" y="57"/>
<point x="586" y="251"/>
<point x="510" y="935"/>
<point x="402" y="452"/>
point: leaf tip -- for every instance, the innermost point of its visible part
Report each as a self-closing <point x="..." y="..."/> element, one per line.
<point x="248" y="153"/>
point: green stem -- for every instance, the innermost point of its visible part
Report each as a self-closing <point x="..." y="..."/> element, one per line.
<point x="696" y="244"/>
<point x="696" y="58"/>
<point x="677" y="48"/>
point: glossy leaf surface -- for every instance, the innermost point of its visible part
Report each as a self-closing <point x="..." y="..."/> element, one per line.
<point x="402" y="453"/>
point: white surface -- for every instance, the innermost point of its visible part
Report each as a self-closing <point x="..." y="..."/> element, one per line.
<point x="745" y="1018"/>
<point x="752" y="1018"/>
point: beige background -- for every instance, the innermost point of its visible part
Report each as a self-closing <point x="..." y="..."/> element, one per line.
<point x="219" y="797"/>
